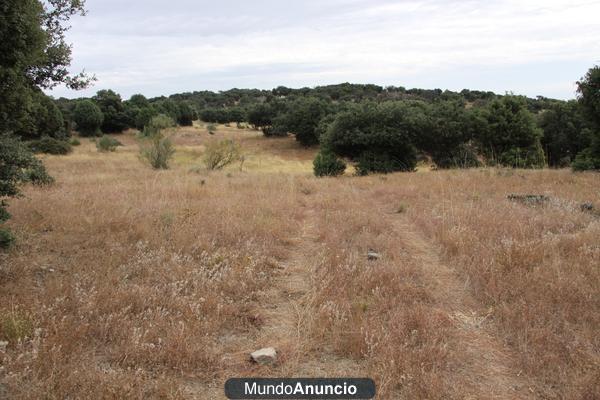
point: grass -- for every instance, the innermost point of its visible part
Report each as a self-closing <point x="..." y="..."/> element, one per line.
<point x="132" y="283"/>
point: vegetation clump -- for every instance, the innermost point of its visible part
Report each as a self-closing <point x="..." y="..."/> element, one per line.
<point x="220" y="154"/>
<point x="157" y="124"/>
<point x="328" y="164"/>
<point x="17" y="165"/>
<point x="159" y="152"/>
<point x="88" y="117"/>
<point x="107" y="144"/>
<point x="49" y="145"/>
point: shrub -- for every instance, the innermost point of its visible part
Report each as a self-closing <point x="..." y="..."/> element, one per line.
<point x="211" y="128"/>
<point x="586" y="161"/>
<point x="88" y="118"/>
<point x="159" y="152"/>
<point x="532" y="157"/>
<point x="157" y="124"/>
<point x="75" y="142"/>
<point x="220" y="154"/>
<point x="6" y="238"/>
<point x="18" y="165"/>
<point x="371" y="161"/>
<point x="328" y="164"/>
<point x="107" y="143"/>
<point x="462" y="156"/>
<point x="15" y="326"/>
<point x="50" y="145"/>
<point x="143" y="117"/>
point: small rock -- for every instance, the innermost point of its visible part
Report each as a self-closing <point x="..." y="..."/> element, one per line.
<point x="372" y="255"/>
<point x="3" y="345"/>
<point x="587" y="207"/>
<point x="264" y="356"/>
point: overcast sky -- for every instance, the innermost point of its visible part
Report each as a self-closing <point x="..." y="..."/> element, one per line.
<point x="157" y="47"/>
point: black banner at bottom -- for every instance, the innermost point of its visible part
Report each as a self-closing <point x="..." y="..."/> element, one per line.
<point x="300" y="388"/>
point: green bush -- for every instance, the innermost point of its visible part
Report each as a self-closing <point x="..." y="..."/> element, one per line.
<point x="220" y="154"/>
<point x="6" y="238"/>
<point x="159" y="152"/>
<point x="532" y="157"/>
<point x="107" y="144"/>
<point x="88" y="118"/>
<point x="211" y="128"/>
<point x="157" y="124"/>
<point x="384" y="163"/>
<point x="18" y="165"/>
<point x="48" y="145"/>
<point x="586" y="161"/>
<point x="328" y="164"/>
<point x="462" y="156"/>
<point x="75" y="142"/>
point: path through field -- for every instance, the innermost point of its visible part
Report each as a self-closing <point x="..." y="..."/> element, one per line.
<point x="485" y="368"/>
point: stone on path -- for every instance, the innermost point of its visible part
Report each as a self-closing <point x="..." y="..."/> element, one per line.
<point x="264" y="356"/>
<point x="372" y="255"/>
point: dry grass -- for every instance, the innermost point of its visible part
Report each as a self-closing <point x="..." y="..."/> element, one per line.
<point x="132" y="283"/>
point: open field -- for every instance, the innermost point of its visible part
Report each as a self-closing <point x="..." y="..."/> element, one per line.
<point x="131" y="283"/>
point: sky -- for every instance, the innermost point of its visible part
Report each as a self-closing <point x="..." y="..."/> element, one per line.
<point x="157" y="47"/>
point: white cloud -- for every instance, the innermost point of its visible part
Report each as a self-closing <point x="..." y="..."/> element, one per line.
<point x="159" y="48"/>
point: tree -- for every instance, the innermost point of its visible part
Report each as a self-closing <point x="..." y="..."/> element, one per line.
<point x="450" y="129"/>
<point x="511" y="136"/>
<point x="588" y="95"/>
<point x="33" y="56"/>
<point x="185" y="116"/>
<point x="261" y="117"/>
<point x="566" y="133"/>
<point x="380" y="137"/>
<point x="110" y="103"/>
<point x="303" y="118"/>
<point x="88" y="118"/>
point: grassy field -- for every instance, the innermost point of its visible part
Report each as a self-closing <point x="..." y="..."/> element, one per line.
<point x="131" y="283"/>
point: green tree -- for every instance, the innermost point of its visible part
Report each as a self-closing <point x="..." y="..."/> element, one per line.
<point x="510" y="136"/>
<point x="449" y="131"/>
<point x="33" y="56"/>
<point x="588" y="94"/>
<point x="88" y="117"/>
<point x="303" y="118"/>
<point x="110" y="103"/>
<point x="565" y="132"/>
<point x="380" y="137"/>
<point x="185" y="117"/>
<point x="261" y="117"/>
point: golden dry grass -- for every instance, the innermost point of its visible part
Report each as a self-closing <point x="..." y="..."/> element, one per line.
<point x="132" y="283"/>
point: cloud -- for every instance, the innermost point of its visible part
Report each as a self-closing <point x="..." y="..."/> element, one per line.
<point x="157" y="47"/>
